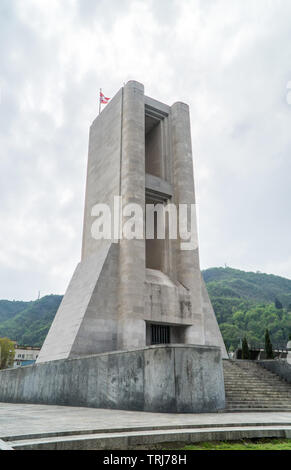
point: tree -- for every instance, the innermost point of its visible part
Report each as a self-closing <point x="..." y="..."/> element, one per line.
<point x="231" y="334"/>
<point x="245" y="354"/>
<point x="278" y="304"/>
<point x="7" y="353"/>
<point x="268" y="346"/>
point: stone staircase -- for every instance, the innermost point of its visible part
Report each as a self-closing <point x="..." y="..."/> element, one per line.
<point x="248" y="386"/>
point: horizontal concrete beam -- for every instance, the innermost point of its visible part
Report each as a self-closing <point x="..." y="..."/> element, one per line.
<point x="158" y="187"/>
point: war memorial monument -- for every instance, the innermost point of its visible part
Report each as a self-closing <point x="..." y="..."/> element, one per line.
<point x="135" y="329"/>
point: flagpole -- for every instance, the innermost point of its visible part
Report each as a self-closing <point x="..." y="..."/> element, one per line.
<point x="100" y="100"/>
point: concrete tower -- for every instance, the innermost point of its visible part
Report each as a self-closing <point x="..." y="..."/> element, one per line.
<point x="131" y="293"/>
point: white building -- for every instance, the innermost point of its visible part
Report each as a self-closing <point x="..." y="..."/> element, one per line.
<point x="25" y="355"/>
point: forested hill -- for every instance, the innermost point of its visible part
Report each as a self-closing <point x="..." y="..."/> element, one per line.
<point x="245" y="303"/>
<point x="28" y="322"/>
<point x="260" y="287"/>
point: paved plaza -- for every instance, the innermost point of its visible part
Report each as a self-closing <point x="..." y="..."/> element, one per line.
<point x="24" y="425"/>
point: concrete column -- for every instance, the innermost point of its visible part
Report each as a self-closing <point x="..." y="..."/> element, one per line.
<point x="131" y="326"/>
<point x="188" y="266"/>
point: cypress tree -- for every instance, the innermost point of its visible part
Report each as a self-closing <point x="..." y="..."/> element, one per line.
<point x="268" y="346"/>
<point x="245" y="353"/>
<point x="278" y="304"/>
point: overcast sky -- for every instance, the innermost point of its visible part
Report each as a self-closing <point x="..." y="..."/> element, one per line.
<point x="230" y="60"/>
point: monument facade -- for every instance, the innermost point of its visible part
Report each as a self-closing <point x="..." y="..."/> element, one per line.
<point x="130" y="293"/>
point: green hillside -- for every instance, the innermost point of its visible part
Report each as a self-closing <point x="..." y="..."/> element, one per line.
<point x="243" y="304"/>
<point x="9" y="309"/>
<point x="229" y="282"/>
<point x="30" y="324"/>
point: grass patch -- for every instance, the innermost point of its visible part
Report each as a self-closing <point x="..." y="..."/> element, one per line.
<point x="247" y="444"/>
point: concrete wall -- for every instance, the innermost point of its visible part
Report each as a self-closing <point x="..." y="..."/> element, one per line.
<point x="72" y="311"/>
<point x="176" y="378"/>
<point x="98" y="330"/>
<point x="166" y="302"/>
<point x="281" y="368"/>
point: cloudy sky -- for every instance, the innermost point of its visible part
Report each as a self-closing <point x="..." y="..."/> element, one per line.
<point x="229" y="59"/>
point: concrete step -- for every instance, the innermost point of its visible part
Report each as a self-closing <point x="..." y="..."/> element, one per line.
<point x="252" y="407"/>
<point x="128" y="439"/>
<point x="249" y="386"/>
<point x="252" y="392"/>
<point x="257" y="403"/>
<point x="255" y="382"/>
<point x="261" y="385"/>
<point x="273" y="391"/>
<point x="241" y="409"/>
<point x="258" y="399"/>
<point x="254" y="379"/>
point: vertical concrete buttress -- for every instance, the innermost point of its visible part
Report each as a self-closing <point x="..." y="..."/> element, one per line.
<point x="188" y="266"/>
<point x="131" y="325"/>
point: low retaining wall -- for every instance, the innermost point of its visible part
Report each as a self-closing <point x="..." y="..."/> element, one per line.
<point x="172" y="378"/>
<point x="281" y="368"/>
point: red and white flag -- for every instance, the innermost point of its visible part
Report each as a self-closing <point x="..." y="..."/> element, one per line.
<point x="103" y="98"/>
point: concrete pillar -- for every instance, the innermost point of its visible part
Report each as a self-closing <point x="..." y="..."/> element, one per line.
<point x="188" y="266"/>
<point x="131" y="325"/>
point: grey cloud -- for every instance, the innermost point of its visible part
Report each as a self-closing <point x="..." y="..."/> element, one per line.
<point x="228" y="60"/>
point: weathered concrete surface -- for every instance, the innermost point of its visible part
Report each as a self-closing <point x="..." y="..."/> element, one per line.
<point x="26" y="426"/>
<point x="150" y="439"/>
<point x="279" y="367"/>
<point x="86" y="320"/>
<point x="131" y="325"/>
<point x="16" y="420"/>
<point x="104" y="166"/>
<point x="166" y="302"/>
<point x="176" y="378"/>
<point x="188" y="264"/>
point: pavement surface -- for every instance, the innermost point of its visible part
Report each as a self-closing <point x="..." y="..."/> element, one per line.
<point x="28" y="419"/>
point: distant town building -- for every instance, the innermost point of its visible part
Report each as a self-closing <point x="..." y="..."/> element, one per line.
<point x="25" y="355"/>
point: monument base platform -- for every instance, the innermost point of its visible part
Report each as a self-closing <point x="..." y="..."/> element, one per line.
<point x="164" y="378"/>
